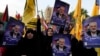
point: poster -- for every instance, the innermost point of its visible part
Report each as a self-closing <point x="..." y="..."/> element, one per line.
<point x="13" y="32"/>
<point x="61" y="45"/>
<point x="60" y="13"/>
<point x="91" y="29"/>
<point x="12" y="22"/>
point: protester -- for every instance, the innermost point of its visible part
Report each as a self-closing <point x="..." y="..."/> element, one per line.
<point x="79" y="50"/>
<point x="41" y="37"/>
<point x="49" y="35"/>
<point x="29" y="45"/>
<point x="2" y="48"/>
<point x="1" y="32"/>
<point x="45" y="39"/>
<point x="33" y="42"/>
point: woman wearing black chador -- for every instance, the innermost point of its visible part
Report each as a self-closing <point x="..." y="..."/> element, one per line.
<point x="29" y="45"/>
<point x="49" y="35"/>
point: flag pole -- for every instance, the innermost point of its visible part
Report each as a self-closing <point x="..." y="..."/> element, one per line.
<point x="37" y="7"/>
<point x="42" y="14"/>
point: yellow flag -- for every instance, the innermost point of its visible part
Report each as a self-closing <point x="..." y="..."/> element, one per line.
<point x="98" y="51"/>
<point x="29" y="11"/>
<point x="77" y="11"/>
<point x="32" y="23"/>
<point x="95" y="9"/>
<point x="78" y="29"/>
<point x="77" y="15"/>
<point x="73" y="32"/>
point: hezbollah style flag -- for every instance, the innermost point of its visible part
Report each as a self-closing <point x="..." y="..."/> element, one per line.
<point x="77" y="15"/>
<point x="32" y="23"/>
<point x="78" y="29"/>
<point x="77" y="12"/>
<point x="96" y="8"/>
<point x="73" y="31"/>
<point x="98" y="51"/>
<point x="29" y="11"/>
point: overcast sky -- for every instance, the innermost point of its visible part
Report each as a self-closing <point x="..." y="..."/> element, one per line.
<point x="18" y="5"/>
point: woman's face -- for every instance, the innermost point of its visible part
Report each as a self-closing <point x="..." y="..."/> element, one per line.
<point x="50" y="32"/>
<point x="30" y="35"/>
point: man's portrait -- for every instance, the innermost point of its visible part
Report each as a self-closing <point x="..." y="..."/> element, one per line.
<point x="91" y="35"/>
<point x="93" y="31"/>
<point x="61" y="46"/>
<point x="13" y="32"/>
<point x="60" y="13"/>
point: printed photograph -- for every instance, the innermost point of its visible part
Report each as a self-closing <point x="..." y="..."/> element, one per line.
<point x="91" y="29"/>
<point x="13" y="32"/>
<point x="60" y="13"/>
<point x="61" y="45"/>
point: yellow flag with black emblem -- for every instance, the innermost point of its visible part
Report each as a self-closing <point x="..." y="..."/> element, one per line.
<point x="29" y="11"/>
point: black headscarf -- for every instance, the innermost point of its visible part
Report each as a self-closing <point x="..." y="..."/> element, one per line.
<point x="30" y="31"/>
<point x="29" y="47"/>
<point x="48" y="42"/>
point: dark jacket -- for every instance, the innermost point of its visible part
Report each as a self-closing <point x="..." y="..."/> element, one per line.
<point x="1" y="37"/>
<point x="48" y="45"/>
<point x="98" y="33"/>
<point x="57" y="46"/>
<point x="57" y="52"/>
<point x="29" y="47"/>
<point x="45" y="41"/>
<point x="79" y="50"/>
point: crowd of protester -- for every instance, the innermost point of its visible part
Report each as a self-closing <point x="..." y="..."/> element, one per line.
<point x="36" y="43"/>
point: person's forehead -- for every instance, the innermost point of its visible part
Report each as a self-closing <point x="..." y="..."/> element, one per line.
<point x="62" y="39"/>
<point x="17" y="26"/>
<point x="62" y="7"/>
<point x="92" y="23"/>
<point x="49" y="29"/>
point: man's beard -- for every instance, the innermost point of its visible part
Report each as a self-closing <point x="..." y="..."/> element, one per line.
<point x="93" y="31"/>
<point x="15" y="32"/>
